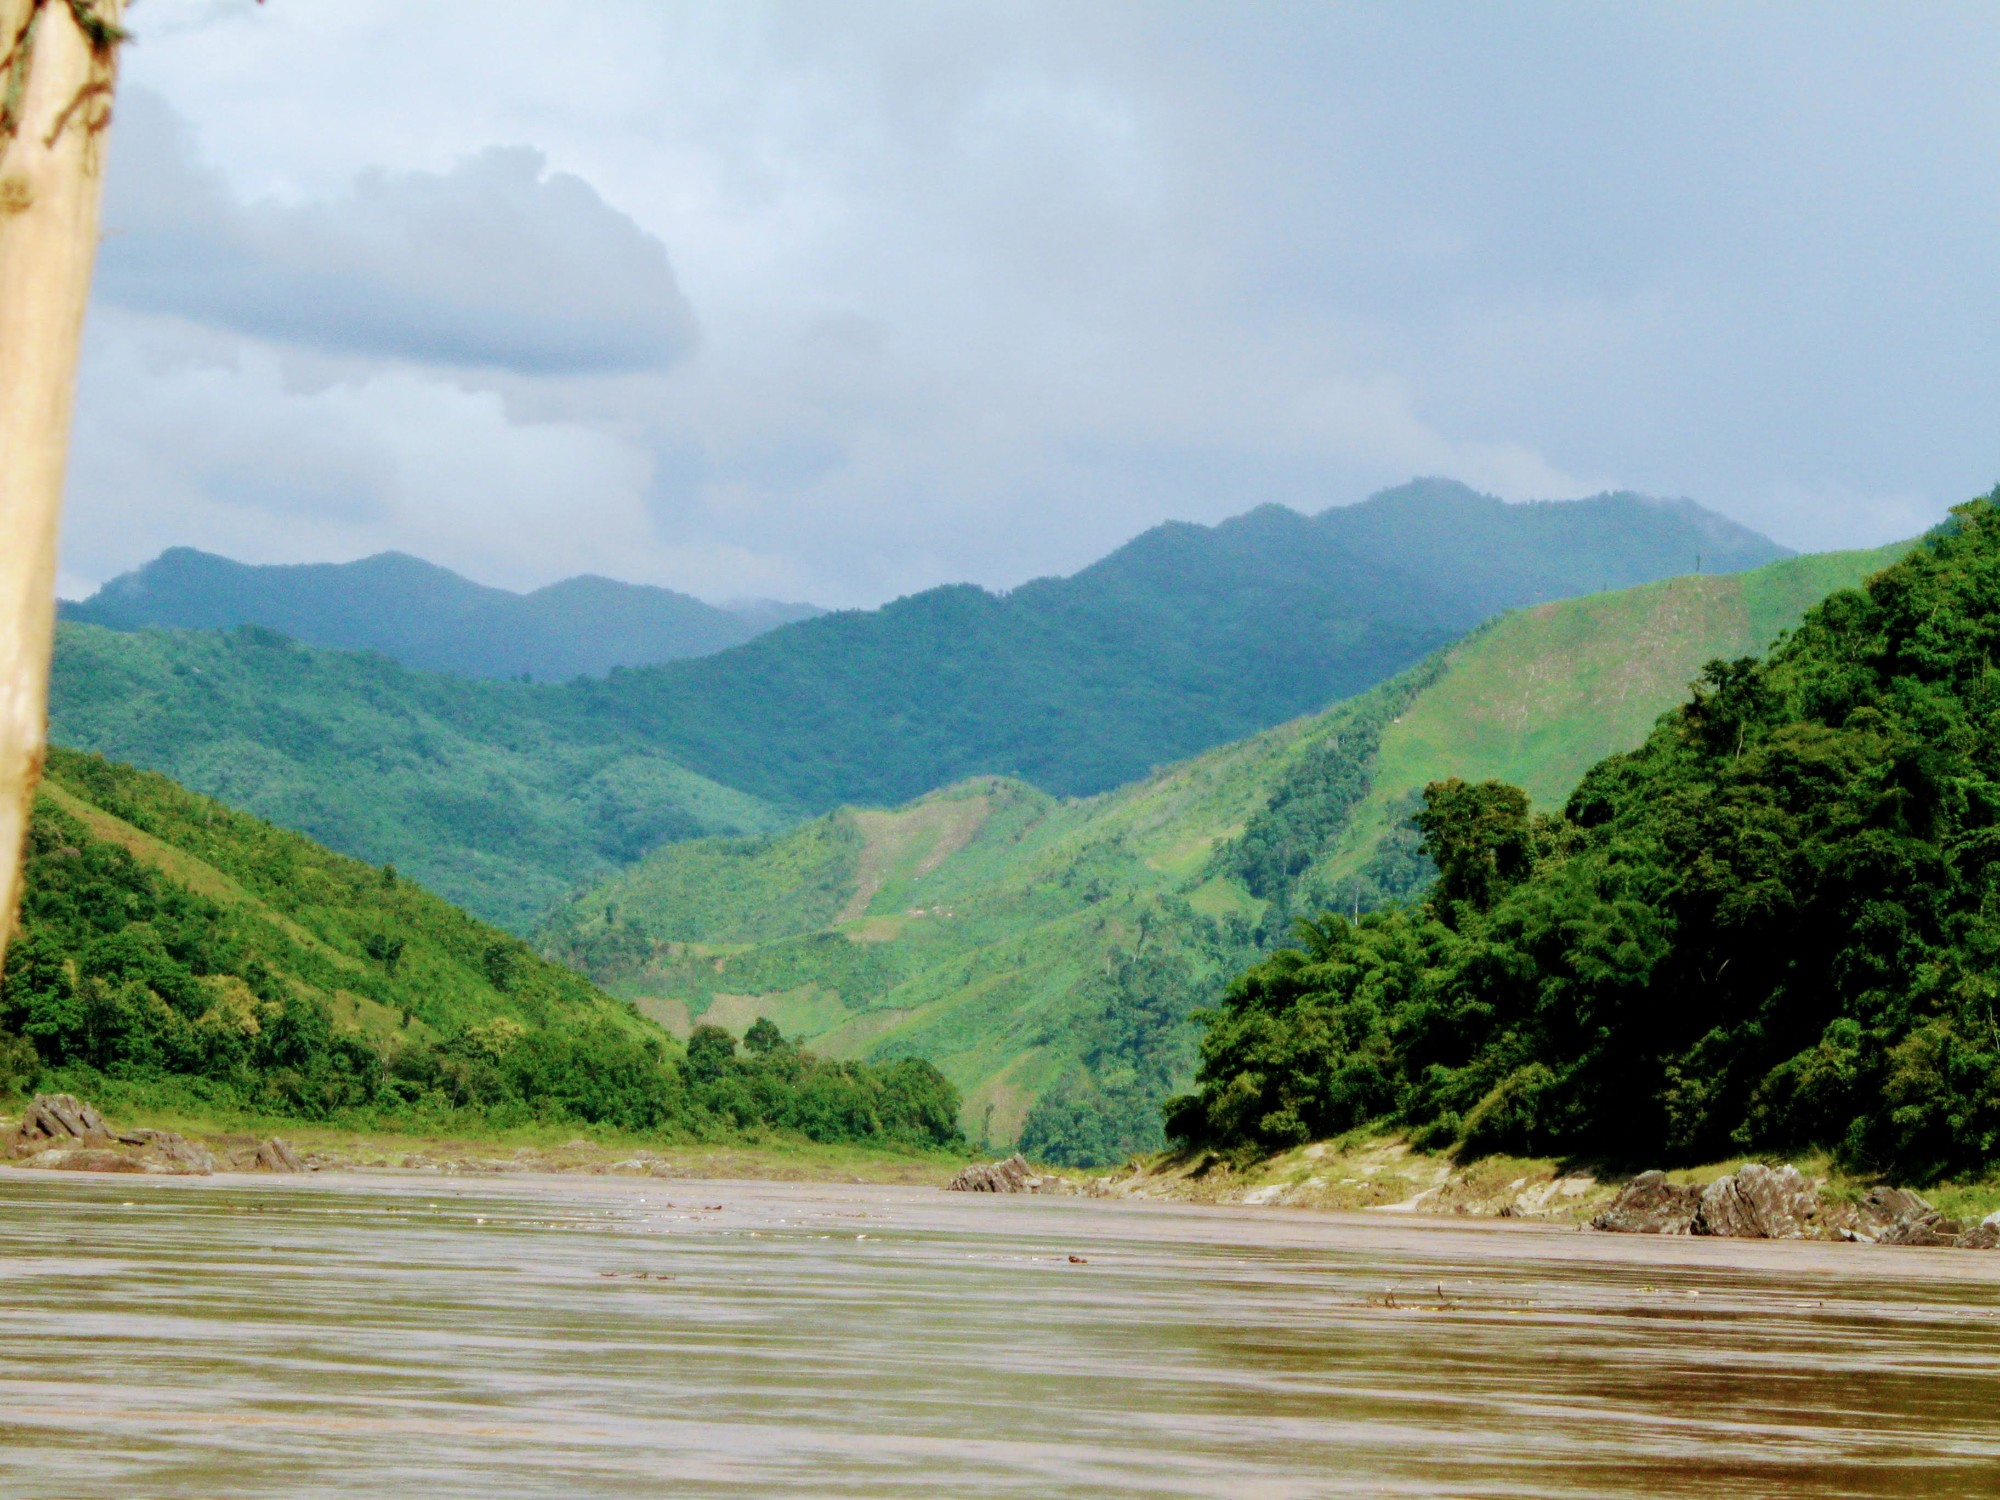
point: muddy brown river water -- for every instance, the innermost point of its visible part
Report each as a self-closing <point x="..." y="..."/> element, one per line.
<point x="405" y="1336"/>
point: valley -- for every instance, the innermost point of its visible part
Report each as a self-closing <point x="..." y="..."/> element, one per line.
<point x="1047" y="953"/>
<point x="992" y="750"/>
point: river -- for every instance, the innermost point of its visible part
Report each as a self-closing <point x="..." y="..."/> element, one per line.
<point x="384" y="1335"/>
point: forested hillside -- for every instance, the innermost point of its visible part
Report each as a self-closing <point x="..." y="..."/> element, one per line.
<point x="1773" y="926"/>
<point x="1187" y="637"/>
<point x="471" y="787"/>
<point x="1535" y="699"/>
<point x="1047" y="954"/>
<point x="425" y="616"/>
<point x="172" y="948"/>
<point x="506" y="796"/>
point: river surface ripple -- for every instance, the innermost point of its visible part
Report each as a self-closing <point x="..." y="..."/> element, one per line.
<point x="526" y="1337"/>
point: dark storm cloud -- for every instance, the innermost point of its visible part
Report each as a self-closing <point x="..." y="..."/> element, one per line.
<point x="497" y="262"/>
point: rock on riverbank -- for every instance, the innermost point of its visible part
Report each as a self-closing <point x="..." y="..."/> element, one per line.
<point x="60" y="1132"/>
<point x="1013" y="1175"/>
<point x="1756" y="1202"/>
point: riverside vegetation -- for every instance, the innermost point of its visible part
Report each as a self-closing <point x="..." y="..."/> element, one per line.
<point x="1772" y="926"/>
<point x="178" y="956"/>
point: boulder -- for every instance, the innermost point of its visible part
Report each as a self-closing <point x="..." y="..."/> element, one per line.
<point x="1894" y="1216"/>
<point x="60" y="1132"/>
<point x="164" y="1151"/>
<point x="1929" y="1229"/>
<point x="62" y="1117"/>
<point x="1756" y="1202"/>
<point x="1649" y="1204"/>
<point x="276" y="1155"/>
<point x="1985" y="1235"/>
<point x="1013" y="1175"/>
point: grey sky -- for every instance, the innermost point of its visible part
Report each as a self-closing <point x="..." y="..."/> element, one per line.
<point x="838" y="301"/>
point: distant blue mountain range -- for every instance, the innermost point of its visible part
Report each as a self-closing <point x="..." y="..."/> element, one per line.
<point x="422" y="615"/>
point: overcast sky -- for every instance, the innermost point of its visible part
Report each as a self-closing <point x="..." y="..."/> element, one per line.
<point x="836" y="301"/>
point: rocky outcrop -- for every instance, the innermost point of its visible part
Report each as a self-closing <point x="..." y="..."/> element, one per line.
<point x="1756" y="1202"/>
<point x="1649" y="1204"/>
<point x="1985" y="1235"/>
<point x="63" y="1117"/>
<point x="1013" y="1175"/>
<point x="61" y="1132"/>
<point x="276" y="1155"/>
<point x="1897" y="1216"/>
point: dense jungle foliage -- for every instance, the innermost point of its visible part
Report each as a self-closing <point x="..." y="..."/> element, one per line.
<point x="1133" y="1039"/>
<point x="1775" y="925"/>
<point x="1310" y="808"/>
<point x="166" y="939"/>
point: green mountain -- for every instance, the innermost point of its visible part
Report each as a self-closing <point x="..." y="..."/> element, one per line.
<point x="1047" y="953"/>
<point x="172" y="948"/>
<point x="1534" y="700"/>
<point x="425" y="616"/>
<point x="1770" y="927"/>
<point x="471" y="787"/>
<point x="1187" y="637"/>
<point x="506" y="796"/>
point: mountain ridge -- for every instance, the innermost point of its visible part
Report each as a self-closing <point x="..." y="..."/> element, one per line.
<point x="466" y="785"/>
<point x="505" y="796"/>
<point x="422" y="615"/>
<point x="1185" y="637"/>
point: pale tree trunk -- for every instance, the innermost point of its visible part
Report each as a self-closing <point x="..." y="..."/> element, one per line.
<point x="58" y="59"/>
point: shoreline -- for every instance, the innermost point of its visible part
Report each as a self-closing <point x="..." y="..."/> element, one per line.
<point x="740" y="1203"/>
<point x="1370" y="1177"/>
<point x="555" y="1150"/>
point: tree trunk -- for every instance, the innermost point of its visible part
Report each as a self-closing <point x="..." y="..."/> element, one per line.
<point x="58" y="60"/>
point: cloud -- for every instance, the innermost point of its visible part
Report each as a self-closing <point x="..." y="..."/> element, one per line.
<point x="986" y="288"/>
<point x="215" y="445"/>
<point x="496" y="262"/>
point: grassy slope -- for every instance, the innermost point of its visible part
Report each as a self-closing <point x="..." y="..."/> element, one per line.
<point x="470" y="787"/>
<point x="307" y="914"/>
<point x="1550" y="691"/>
<point x="973" y="925"/>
